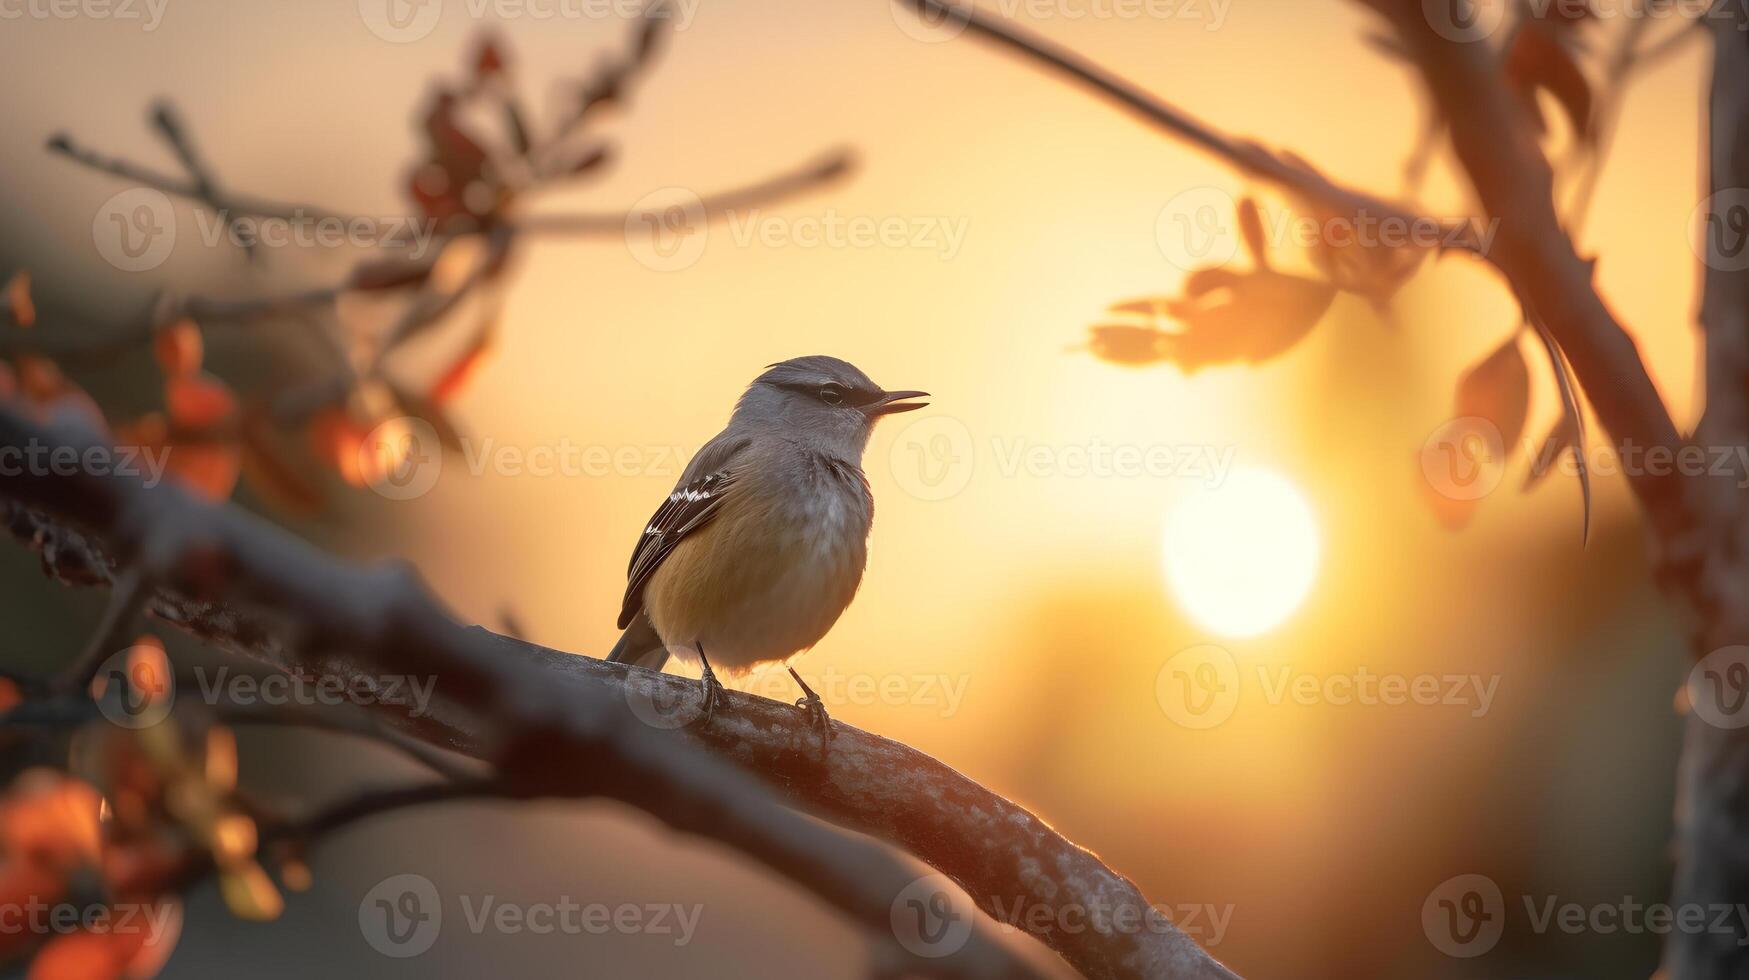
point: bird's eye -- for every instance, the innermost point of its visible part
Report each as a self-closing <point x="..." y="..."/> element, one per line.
<point x="832" y="394"/>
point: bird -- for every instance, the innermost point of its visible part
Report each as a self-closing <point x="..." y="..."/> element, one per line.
<point x="763" y="541"/>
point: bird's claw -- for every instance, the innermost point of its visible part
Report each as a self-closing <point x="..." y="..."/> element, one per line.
<point x="815" y="709"/>
<point x="713" y="694"/>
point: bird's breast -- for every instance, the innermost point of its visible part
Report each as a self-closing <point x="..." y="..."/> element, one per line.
<point x="769" y="576"/>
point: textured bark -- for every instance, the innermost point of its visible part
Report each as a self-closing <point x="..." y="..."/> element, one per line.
<point x="513" y="702"/>
<point x="1712" y="832"/>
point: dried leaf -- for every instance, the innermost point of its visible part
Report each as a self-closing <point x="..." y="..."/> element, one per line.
<point x="336" y="439"/>
<point x="1128" y="345"/>
<point x="488" y="61"/>
<point x="1498" y="389"/>
<point x="1453" y="512"/>
<point x="200" y="404"/>
<point x="82" y="956"/>
<point x="456" y="376"/>
<point x="410" y="404"/>
<point x="178" y="348"/>
<point x="1251" y="317"/>
<point x="249" y="893"/>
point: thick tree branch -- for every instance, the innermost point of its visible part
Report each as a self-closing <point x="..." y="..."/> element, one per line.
<point x="560" y="724"/>
<point x="1511" y="177"/>
<point x="1515" y="184"/>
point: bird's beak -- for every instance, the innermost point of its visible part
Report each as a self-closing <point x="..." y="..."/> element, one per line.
<point x="894" y="401"/>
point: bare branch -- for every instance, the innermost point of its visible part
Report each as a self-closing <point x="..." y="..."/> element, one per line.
<point x="558" y="724"/>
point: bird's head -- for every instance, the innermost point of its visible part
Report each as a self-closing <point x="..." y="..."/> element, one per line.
<point x="824" y="400"/>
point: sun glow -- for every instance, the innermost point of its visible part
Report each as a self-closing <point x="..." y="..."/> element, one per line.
<point x="1241" y="557"/>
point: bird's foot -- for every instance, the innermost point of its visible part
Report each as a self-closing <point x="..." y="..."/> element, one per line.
<point x="713" y="693"/>
<point x="815" y="710"/>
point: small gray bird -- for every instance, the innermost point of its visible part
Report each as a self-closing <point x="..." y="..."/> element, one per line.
<point x="762" y="543"/>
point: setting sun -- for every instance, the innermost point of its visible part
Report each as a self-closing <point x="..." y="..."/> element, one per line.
<point x="1241" y="556"/>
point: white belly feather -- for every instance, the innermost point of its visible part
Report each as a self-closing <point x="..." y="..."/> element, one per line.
<point x="766" y="578"/>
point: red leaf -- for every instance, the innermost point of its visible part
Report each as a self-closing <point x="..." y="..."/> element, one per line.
<point x="1498" y="389"/>
<point x="178" y="348"/>
<point x="460" y="372"/>
<point x="489" y="61"/>
<point x="199" y="403"/>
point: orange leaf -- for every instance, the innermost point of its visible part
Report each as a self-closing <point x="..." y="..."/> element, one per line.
<point x="178" y="348"/>
<point x="458" y="374"/>
<point x="1128" y="345"/>
<point x="9" y="695"/>
<point x="1498" y="389"/>
<point x="1232" y="316"/>
<point x="210" y="469"/>
<point x="199" y="402"/>
<point x="81" y="956"/>
<point x="336" y="439"/>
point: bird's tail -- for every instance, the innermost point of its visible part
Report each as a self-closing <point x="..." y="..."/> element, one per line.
<point x="639" y="646"/>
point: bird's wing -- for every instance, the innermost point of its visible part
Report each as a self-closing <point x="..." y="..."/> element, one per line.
<point x="695" y="500"/>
